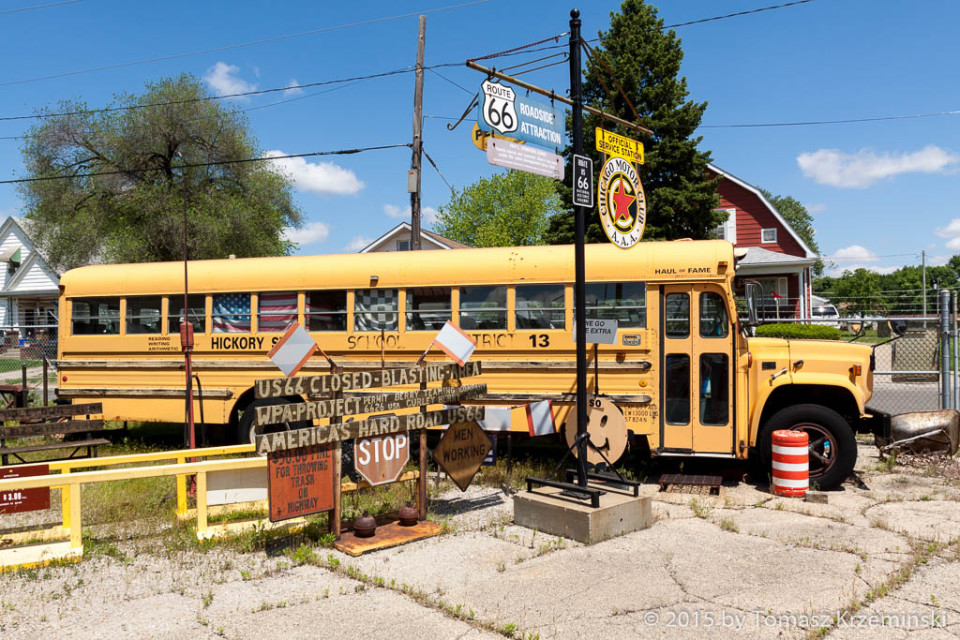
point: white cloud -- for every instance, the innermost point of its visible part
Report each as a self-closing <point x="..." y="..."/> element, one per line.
<point x="223" y="80"/>
<point x="815" y="208"/>
<point x="324" y="178"/>
<point x="952" y="233"/>
<point x="866" y="167"/>
<point x="855" y="252"/>
<point x="427" y="214"/>
<point x="358" y="242"/>
<point x="311" y="233"/>
<point x="293" y="88"/>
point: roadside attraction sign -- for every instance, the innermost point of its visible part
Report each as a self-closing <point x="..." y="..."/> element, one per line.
<point x="462" y="451"/>
<point x="502" y="110"/>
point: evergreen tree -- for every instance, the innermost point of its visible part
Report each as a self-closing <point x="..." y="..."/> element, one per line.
<point x="645" y="59"/>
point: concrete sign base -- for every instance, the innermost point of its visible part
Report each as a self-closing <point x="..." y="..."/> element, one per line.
<point x="547" y="511"/>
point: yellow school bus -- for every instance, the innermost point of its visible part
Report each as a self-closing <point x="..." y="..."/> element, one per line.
<point x="683" y="370"/>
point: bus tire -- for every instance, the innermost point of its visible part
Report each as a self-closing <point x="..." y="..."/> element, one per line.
<point x="833" y="446"/>
<point x="247" y="432"/>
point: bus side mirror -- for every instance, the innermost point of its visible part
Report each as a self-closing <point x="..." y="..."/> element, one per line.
<point x="753" y="292"/>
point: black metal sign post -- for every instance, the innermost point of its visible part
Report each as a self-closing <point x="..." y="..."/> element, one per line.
<point x="580" y="288"/>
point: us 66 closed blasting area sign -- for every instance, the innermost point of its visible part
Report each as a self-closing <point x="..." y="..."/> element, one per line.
<point x="582" y="182"/>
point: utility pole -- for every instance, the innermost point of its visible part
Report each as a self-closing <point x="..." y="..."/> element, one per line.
<point x="580" y="287"/>
<point x="413" y="180"/>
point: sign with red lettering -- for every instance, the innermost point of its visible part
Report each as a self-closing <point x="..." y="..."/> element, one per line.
<point x="300" y="482"/>
<point x="461" y="451"/>
<point x="20" y="500"/>
<point x="381" y="459"/>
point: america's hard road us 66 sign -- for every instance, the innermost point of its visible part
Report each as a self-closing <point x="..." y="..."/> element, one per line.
<point x="622" y="205"/>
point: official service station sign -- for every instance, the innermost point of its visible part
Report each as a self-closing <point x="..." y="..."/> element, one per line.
<point x="622" y="204"/>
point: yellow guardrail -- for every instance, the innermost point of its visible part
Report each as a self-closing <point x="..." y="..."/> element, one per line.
<point x="68" y="476"/>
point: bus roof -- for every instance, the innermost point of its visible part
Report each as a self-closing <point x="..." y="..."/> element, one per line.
<point x="680" y="260"/>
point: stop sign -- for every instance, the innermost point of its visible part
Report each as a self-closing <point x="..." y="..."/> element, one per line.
<point x="380" y="459"/>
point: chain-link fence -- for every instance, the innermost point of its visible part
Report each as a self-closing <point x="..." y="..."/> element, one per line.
<point x="26" y="353"/>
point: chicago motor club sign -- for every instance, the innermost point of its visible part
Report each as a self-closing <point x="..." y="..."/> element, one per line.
<point x="622" y="205"/>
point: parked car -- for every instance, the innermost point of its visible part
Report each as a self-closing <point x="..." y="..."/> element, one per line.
<point x="826" y="311"/>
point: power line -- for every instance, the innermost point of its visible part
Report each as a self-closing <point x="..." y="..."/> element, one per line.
<point x="443" y="77"/>
<point x="40" y="6"/>
<point x="229" y="47"/>
<point x="821" y="122"/>
<point x="93" y="174"/>
<point x="737" y="14"/>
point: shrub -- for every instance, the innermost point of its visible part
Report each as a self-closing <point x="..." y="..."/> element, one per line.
<point x="798" y="331"/>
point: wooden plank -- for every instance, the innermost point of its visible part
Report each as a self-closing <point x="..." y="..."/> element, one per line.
<point x="383" y="425"/>
<point x="57" y="411"/>
<point x="379" y="403"/>
<point x="52" y="446"/>
<point x="523" y="398"/>
<point x="388" y="535"/>
<point x="51" y="428"/>
<point x="125" y="392"/>
<point x="324" y="385"/>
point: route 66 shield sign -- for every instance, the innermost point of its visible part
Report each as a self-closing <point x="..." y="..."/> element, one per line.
<point x="498" y="110"/>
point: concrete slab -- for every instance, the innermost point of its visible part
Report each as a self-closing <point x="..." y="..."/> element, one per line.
<point x="547" y="510"/>
<point x="929" y="520"/>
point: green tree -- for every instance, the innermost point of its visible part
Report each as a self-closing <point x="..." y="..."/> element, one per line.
<point x="645" y="60"/>
<point x="799" y="219"/>
<point x="133" y="212"/>
<point x="505" y="210"/>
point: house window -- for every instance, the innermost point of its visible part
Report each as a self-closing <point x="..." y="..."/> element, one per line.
<point x="403" y="245"/>
<point x="768" y="236"/>
<point x="727" y="230"/>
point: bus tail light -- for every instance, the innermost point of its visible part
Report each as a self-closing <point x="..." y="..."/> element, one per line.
<point x="749" y="360"/>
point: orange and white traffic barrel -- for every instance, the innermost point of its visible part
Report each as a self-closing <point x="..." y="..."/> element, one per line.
<point x="791" y="463"/>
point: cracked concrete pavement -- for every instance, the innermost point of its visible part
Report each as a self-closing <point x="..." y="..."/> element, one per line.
<point x="880" y="557"/>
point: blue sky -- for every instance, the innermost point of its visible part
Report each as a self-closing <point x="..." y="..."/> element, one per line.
<point x="881" y="192"/>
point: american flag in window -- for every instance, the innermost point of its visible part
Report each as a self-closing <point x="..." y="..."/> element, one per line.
<point x="277" y="311"/>
<point x="231" y="313"/>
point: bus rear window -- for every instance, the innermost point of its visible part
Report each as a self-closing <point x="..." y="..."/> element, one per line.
<point x="326" y="310"/>
<point x="231" y="313"/>
<point x="95" y="316"/>
<point x="625" y="302"/>
<point x="143" y="314"/>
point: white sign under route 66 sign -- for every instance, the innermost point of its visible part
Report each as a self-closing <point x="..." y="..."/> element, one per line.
<point x="497" y="107"/>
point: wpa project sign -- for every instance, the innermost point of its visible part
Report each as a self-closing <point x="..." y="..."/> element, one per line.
<point x="505" y="112"/>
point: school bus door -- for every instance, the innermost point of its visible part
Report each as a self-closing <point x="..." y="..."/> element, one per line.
<point x="696" y="412"/>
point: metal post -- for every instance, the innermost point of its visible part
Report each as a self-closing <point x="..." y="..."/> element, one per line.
<point x="923" y="276"/>
<point x="186" y="328"/>
<point x="46" y="370"/>
<point x="956" y="352"/>
<point x="415" y="164"/>
<point x="945" y="395"/>
<point x="24" y="392"/>
<point x="580" y="289"/>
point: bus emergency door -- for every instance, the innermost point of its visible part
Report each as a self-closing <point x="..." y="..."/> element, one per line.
<point x="696" y="411"/>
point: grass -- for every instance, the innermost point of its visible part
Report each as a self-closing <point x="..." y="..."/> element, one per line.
<point x="15" y="364"/>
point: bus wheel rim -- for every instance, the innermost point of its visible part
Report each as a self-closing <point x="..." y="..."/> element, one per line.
<point x="821" y="460"/>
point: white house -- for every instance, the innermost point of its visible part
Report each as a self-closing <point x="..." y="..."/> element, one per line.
<point x="398" y="239"/>
<point x="28" y="286"/>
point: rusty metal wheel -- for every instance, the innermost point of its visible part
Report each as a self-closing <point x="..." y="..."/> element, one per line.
<point x="832" y="447"/>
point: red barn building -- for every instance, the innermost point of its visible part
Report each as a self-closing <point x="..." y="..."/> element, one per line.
<point x="776" y="256"/>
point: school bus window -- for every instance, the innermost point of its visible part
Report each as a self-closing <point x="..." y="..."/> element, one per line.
<point x="326" y="310"/>
<point x="428" y="308"/>
<point x="143" y="314"/>
<point x="277" y="311"/>
<point x="231" y="313"/>
<point x="678" y="388"/>
<point x="713" y="316"/>
<point x="96" y="316"/>
<point x="483" y="308"/>
<point x="714" y="403"/>
<point x="196" y="311"/>
<point x="625" y="302"/>
<point x="678" y="315"/>
<point x="376" y="310"/>
<point x="540" y="306"/>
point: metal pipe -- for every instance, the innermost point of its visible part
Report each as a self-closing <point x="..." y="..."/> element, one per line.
<point x="553" y="96"/>
<point x="945" y="396"/>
